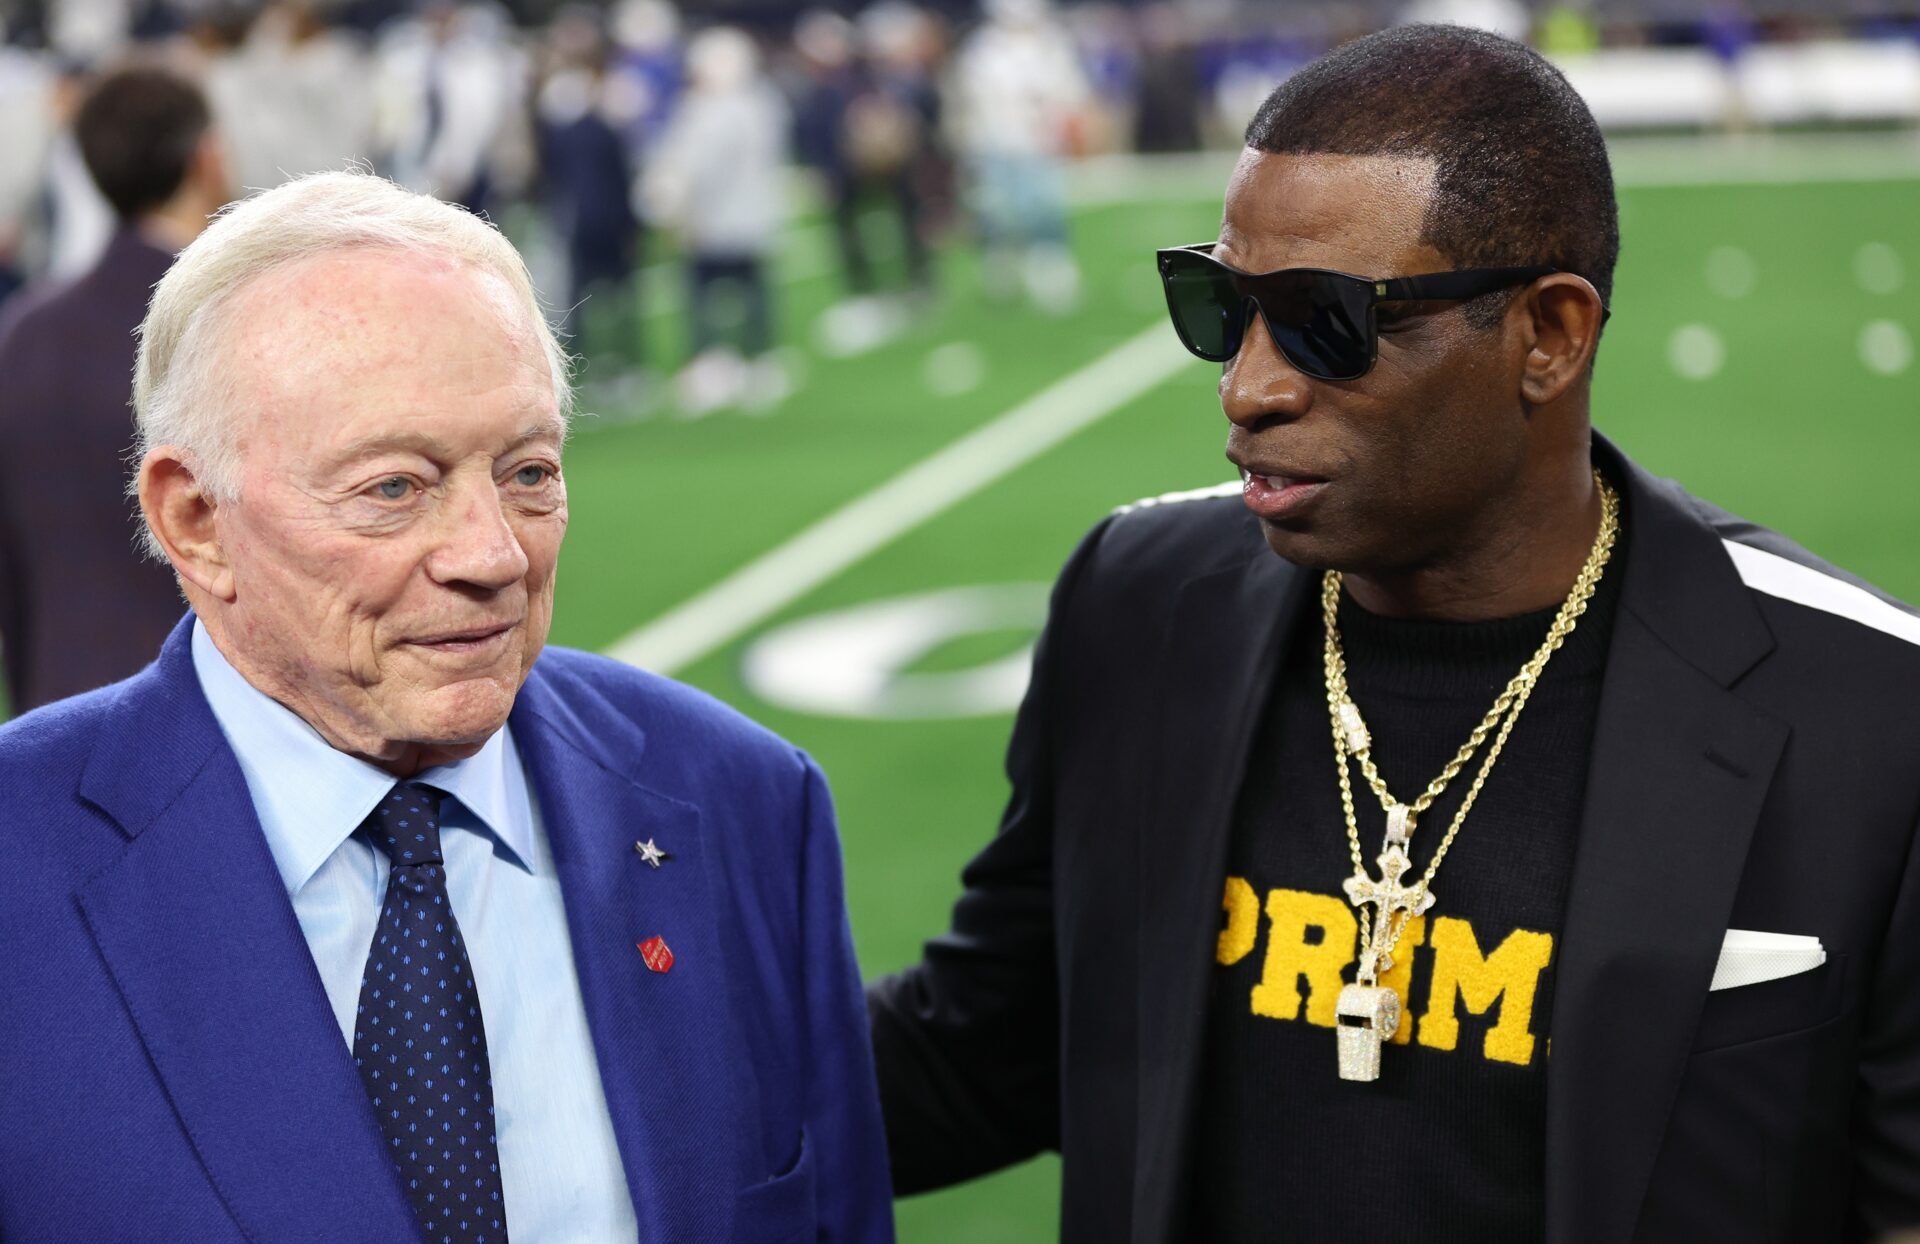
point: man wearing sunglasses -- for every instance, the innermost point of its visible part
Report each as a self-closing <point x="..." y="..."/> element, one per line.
<point x="1449" y="832"/>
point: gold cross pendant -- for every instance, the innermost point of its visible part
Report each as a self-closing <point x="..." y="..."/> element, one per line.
<point x="1368" y="1013"/>
<point x="1387" y="895"/>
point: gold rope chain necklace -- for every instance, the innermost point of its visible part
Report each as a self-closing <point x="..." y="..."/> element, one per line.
<point x="1368" y="1013"/>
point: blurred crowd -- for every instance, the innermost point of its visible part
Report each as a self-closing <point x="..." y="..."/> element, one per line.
<point x="609" y="137"/>
<point x="605" y="139"/>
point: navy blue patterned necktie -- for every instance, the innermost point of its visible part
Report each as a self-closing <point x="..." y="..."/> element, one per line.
<point x="418" y="1038"/>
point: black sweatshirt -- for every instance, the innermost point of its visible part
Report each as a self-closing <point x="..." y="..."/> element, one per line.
<point x="1447" y="1145"/>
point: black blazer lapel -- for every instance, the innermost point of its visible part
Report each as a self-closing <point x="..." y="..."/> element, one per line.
<point x="194" y="925"/>
<point x="1223" y="652"/>
<point x="1680" y="769"/>
<point x="662" y="1039"/>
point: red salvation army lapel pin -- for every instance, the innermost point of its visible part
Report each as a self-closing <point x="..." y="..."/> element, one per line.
<point x="654" y="951"/>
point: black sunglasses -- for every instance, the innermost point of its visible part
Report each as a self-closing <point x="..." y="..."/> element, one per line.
<point x="1322" y="321"/>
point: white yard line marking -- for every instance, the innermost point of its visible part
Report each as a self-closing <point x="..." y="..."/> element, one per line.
<point x="764" y="586"/>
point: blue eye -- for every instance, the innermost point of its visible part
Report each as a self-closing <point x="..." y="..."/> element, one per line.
<point x="395" y="489"/>
<point x="530" y="476"/>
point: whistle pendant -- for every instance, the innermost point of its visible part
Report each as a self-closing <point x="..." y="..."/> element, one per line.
<point x="1366" y="1017"/>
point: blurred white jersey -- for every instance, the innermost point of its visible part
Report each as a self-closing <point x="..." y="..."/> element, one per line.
<point x="26" y="101"/>
<point x="442" y="104"/>
<point x="719" y="173"/>
<point x="1016" y="87"/>
<point x="289" y="106"/>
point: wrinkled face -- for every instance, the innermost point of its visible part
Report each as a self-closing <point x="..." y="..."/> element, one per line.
<point x="1396" y="470"/>
<point x="400" y="506"/>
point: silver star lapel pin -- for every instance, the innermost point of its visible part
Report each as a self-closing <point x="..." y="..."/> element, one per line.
<point x="651" y="853"/>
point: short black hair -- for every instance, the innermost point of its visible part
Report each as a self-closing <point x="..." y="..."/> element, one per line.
<point x="137" y="128"/>
<point x="1523" y="176"/>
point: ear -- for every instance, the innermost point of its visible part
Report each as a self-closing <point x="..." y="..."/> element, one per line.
<point x="1562" y="321"/>
<point x="184" y="517"/>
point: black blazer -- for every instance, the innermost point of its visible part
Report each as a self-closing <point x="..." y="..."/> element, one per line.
<point x="78" y="607"/>
<point x="1756" y="765"/>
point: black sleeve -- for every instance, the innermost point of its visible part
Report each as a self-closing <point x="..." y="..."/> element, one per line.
<point x="1886" y="1117"/>
<point x="967" y="1042"/>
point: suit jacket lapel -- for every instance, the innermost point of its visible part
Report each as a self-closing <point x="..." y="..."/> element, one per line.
<point x="661" y="1038"/>
<point x="194" y="925"/>
<point x="1223" y="654"/>
<point x="1680" y="769"/>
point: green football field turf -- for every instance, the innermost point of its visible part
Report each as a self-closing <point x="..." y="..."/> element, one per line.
<point x="1761" y="350"/>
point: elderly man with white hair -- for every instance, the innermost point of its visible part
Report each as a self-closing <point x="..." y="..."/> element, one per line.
<point x="360" y="915"/>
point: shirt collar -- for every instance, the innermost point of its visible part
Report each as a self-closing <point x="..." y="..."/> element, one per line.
<point x="492" y="784"/>
<point x="310" y="797"/>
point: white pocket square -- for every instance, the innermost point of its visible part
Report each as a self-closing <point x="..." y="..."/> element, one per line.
<point x="1748" y="957"/>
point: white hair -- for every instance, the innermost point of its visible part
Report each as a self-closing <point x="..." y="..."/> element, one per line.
<point x="181" y="390"/>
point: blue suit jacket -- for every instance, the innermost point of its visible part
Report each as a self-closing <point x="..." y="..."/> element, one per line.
<point x="170" y="1069"/>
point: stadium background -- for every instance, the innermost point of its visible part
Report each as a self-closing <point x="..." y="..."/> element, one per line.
<point x="861" y="561"/>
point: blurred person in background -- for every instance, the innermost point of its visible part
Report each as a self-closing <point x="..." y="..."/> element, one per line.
<point x="362" y="915"/>
<point x="1666" y="986"/>
<point x="78" y="607"/>
<point x="831" y="79"/>
<point x="718" y="180"/>
<point x="646" y="69"/>
<point x="295" y="97"/>
<point x="866" y="114"/>
<point x="905" y="50"/>
<point x="1019" y="98"/>
<point x="587" y="178"/>
<point x="1107" y="45"/>
<point x="27" y="103"/>
<point x="449" y="84"/>
<point x="1167" y="112"/>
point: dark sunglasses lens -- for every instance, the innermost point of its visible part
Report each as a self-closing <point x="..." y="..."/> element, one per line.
<point x="1319" y="321"/>
<point x="1205" y="308"/>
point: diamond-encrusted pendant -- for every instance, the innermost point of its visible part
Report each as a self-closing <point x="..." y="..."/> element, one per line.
<point x="1399" y="824"/>
<point x="1368" y="1012"/>
<point x="1367" y="1016"/>
<point x="1358" y="740"/>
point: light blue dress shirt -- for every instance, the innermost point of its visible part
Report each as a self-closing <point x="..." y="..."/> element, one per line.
<point x="559" y="1162"/>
